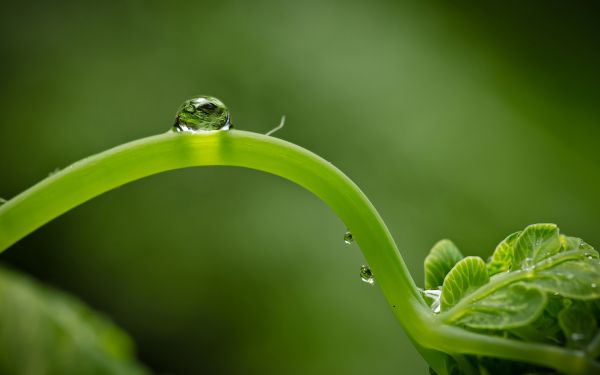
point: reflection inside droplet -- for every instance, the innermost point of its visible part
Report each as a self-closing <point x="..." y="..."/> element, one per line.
<point x="203" y="113"/>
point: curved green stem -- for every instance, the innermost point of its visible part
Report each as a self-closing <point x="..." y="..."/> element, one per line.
<point x="99" y="173"/>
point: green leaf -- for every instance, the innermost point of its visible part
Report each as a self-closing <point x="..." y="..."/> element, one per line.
<point x="536" y="243"/>
<point x="547" y="324"/>
<point x="573" y="243"/>
<point x="578" y="323"/>
<point x="515" y="306"/>
<point x="465" y="277"/>
<point x="578" y="279"/>
<point x="502" y="258"/>
<point x="536" y="264"/>
<point x="43" y="331"/>
<point x="442" y="257"/>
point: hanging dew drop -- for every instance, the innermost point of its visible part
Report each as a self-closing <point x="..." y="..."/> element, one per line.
<point x="348" y="238"/>
<point x="366" y="275"/>
<point x="204" y="113"/>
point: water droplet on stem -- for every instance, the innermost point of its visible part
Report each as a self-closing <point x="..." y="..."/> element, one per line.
<point x="348" y="238"/>
<point x="433" y="296"/>
<point x="366" y="275"/>
<point x="204" y="113"/>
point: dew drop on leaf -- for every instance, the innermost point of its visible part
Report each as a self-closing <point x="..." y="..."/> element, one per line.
<point x="366" y="275"/>
<point x="528" y="264"/>
<point x="348" y="238"/>
<point x="204" y="113"/>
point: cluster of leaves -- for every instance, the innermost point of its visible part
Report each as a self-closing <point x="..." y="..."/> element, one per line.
<point x="46" y="332"/>
<point x="538" y="286"/>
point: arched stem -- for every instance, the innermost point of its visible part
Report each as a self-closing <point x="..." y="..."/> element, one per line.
<point x="97" y="174"/>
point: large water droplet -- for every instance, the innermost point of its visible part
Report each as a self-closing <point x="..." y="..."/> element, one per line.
<point x="366" y="275"/>
<point x="203" y="113"/>
<point x="348" y="238"/>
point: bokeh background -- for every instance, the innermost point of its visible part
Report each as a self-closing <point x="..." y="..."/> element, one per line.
<point x="459" y="120"/>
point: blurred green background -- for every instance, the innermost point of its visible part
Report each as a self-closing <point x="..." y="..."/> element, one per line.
<point x="460" y="120"/>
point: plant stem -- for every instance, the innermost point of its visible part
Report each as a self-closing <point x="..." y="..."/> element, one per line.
<point x="97" y="174"/>
<point x="129" y="162"/>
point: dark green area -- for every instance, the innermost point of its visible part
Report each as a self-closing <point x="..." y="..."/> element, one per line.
<point x="43" y="331"/>
<point x="459" y="120"/>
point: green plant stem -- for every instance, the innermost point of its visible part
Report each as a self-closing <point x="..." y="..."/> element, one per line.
<point x="97" y="174"/>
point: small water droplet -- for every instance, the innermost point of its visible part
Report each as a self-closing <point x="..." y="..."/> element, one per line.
<point x="53" y="172"/>
<point x="348" y="238"/>
<point x="528" y="264"/>
<point x="576" y="336"/>
<point x="366" y="275"/>
<point x="433" y="295"/>
<point x="2" y="201"/>
<point x="594" y="285"/>
<point x="556" y="294"/>
<point x="203" y="113"/>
